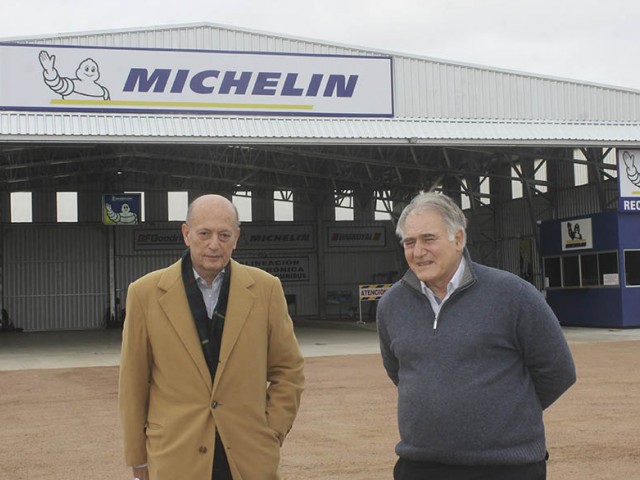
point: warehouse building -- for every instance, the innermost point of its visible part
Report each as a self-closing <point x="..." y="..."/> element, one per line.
<point x="105" y="136"/>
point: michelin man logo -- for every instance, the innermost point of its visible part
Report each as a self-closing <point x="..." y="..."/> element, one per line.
<point x="125" y="216"/>
<point x="574" y="233"/>
<point x="632" y="171"/>
<point x="84" y="84"/>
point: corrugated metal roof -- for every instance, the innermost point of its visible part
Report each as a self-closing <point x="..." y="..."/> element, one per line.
<point x="93" y="127"/>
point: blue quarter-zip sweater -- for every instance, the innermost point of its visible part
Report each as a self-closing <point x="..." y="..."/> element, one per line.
<point x="472" y="390"/>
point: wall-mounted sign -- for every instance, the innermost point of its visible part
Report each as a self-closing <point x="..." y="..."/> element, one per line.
<point x="77" y="78"/>
<point x="369" y="292"/>
<point x="287" y="269"/>
<point x="158" y="239"/>
<point x="259" y="237"/>
<point x="576" y="234"/>
<point x="121" y="209"/>
<point x="629" y="180"/>
<point x="356" y="237"/>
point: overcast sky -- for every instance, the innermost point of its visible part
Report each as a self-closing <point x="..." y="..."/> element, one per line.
<point x="588" y="40"/>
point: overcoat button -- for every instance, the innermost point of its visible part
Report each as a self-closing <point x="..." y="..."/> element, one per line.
<point x="202" y="449"/>
<point x="214" y="404"/>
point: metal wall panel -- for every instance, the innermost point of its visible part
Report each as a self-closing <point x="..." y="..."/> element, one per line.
<point x="347" y="268"/>
<point x="55" y="277"/>
<point x="578" y="201"/>
<point x="344" y="268"/>
<point x="426" y="88"/>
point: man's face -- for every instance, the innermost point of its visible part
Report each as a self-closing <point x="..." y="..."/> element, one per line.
<point x="212" y="235"/>
<point x="431" y="255"/>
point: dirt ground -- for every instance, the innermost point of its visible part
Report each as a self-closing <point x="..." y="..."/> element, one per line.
<point x="63" y="424"/>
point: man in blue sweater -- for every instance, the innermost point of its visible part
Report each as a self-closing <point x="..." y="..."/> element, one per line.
<point x="476" y="354"/>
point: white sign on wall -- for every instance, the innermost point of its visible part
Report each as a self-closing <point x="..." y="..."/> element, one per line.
<point x="356" y="237"/>
<point x="74" y="78"/>
<point x="576" y="234"/>
<point x="259" y="237"/>
<point x="629" y="180"/>
<point x="287" y="269"/>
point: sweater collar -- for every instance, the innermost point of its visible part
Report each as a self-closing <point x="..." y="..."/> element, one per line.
<point x="468" y="275"/>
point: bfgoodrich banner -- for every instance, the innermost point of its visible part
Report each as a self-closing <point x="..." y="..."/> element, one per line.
<point x="50" y="77"/>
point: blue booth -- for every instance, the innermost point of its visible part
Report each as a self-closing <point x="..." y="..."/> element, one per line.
<point x="591" y="268"/>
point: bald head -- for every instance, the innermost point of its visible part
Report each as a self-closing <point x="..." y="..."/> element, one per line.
<point x="211" y="232"/>
<point x="211" y="202"/>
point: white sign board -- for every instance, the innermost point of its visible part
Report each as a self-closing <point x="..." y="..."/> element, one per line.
<point x="629" y="180"/>
<point x="287" y="269"/>
<point x="75" y="78"/>
<point x="577" y="234"/>
<point x="259" y="237"/>
<point x="357" y="237"/>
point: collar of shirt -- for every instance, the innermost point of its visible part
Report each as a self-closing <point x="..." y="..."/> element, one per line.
<point x="452" y="286"/>
<point x="210" y="293"/>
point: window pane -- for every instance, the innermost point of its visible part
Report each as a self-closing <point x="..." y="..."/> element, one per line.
<point x="570" y="271"/>
<point x="552" y="271"/>
<point x="589" y="270"/>
<point x="344" y="214"/>
<point x="632" y="267"/>
<point x="540" y="168"/>
<point x="67" y="206"/>
<point x="21" y="210"/>
<point x="283" y="205"/>
<point x="485" y="190"/>
<point x="177" y="205"/>
<point x="608" y="263"/>
<point x="580" y="170"/>
<point x="516" y="184"/>
<point x="242" y="201"/>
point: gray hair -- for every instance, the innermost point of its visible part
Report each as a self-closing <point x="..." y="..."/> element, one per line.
<point x="451" y="213"/>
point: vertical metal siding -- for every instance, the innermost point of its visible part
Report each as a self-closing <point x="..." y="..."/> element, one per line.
<point x="578" y="201"/>
<point x="346" y="268"/>
<point x="131" y="264"/>
<point x="55" y="277"/>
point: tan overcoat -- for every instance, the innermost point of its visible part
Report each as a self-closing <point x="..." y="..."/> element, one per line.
<point x="170" y="408"/>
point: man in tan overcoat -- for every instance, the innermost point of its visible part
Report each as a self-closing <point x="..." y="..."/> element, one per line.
<point x="211" y="373"/>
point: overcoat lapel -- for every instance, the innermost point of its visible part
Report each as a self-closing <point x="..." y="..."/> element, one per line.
<point x="240" y="303"/>
<point x="175" y="305"/>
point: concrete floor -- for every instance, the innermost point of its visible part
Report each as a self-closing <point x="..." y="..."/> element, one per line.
<point x="90" y="348"/>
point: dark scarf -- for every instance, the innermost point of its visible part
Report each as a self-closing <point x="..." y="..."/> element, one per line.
<point x="209" y="329"/>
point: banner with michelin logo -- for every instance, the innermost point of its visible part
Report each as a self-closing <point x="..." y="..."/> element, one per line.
<point x="629" y="180"/>
<point x="105" y="79"/>
<point x="576" y="234"/>
<point x="121" y="209"/>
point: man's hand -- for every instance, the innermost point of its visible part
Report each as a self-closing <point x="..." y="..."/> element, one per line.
<point x="140" y="473"/>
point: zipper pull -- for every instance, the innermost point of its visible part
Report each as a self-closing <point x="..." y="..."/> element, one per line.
<point x="435" y="323"/>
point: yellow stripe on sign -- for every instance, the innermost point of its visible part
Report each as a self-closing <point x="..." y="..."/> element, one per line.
<point x="370" y="292"/>
<point x="208" y="105"/>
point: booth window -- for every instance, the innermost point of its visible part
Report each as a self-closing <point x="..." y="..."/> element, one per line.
<point x="589" y="269"/>
<point x="553" y="272"/>
<point x="608" y="263"/>
<point x="571" y="271"/>
<point x="632" y="267"/>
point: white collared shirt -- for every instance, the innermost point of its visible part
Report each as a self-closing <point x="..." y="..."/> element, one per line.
<point x="210" y="293"/>
<point x="453" y="284"/>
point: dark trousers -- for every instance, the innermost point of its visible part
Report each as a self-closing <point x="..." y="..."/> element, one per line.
<point x="221" y="469"/>
<point x="410" y="470"/>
